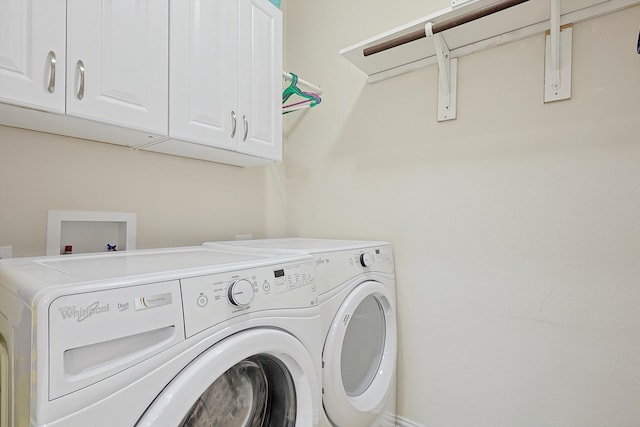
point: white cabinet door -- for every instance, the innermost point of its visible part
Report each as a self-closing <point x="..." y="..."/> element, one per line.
<point x="203" y="70"/>
<point x="260" y="73"/>
<point x="117" y="70"/>
<point x="32" y="53"/>
<point x="225" y="88"/>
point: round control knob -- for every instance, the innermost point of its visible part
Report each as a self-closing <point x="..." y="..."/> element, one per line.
<point x="240" y="293"/>
<point x="366" y="260"/>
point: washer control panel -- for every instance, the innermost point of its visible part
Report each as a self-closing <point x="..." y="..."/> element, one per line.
<point x="211" y="299"/>
<point x="240" y="293"/>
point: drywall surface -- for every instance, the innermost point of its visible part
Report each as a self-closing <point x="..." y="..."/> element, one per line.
<point x="516" y="227"/>
<point x="178" y="201"/>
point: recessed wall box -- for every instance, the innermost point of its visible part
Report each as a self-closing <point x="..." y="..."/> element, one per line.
<point x="88" y="232"/>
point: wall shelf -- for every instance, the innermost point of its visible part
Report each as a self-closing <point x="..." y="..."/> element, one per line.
<point x="515" y="23"/>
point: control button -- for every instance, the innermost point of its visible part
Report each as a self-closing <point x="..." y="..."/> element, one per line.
<point x="202" y="300"/>
<point x="366" y="260"/>
<point x="240" y="293"/>
<point x="266" y="286"/>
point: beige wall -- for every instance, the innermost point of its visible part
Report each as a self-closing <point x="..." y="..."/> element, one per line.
<point x="516" y="227"/>
<point x="178" y="201"/>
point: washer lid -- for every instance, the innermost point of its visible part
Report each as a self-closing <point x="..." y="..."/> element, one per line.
<point x="133" y="263"/>
<point x="253" y="375"/>
<point x="28" y="276"/>
<point x="359" y="356"/>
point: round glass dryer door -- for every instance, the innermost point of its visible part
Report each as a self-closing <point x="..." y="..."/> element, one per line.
<point x="261" y="377"/>
<point x="359" y="356"/>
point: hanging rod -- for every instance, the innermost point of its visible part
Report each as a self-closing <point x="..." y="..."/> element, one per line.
<point x="442" y="26"/>
<point x="315" y="88"/>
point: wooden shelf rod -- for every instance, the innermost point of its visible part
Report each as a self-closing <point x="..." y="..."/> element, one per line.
<point x="442" y="26"/>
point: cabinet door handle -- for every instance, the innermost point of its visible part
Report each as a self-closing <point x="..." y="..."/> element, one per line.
<point x="233" y="124"/>
<point x="52" y="71"/>
<point x="246" y="128"/>
<point x="80" y="66"/>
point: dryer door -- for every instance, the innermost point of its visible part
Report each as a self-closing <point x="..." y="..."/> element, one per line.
<point x="257" y="377"/>
<point x="4" y="385"/>
<point x="359" y="356"/>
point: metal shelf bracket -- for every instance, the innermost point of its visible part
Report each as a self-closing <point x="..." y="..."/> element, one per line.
<point x="558" y="42"/>
<point x="447" y="76"/>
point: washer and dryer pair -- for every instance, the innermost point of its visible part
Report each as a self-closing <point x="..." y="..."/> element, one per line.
<point x="356" y="282"/>
<point x="285" y="332"/>
<point x="203" y="336"/>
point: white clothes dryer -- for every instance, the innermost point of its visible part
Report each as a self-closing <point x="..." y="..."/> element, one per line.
<point x="160" y="338"/>
<point x="356" y="280"/>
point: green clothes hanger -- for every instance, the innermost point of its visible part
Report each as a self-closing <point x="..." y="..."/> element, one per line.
<point x="293" y="89"/>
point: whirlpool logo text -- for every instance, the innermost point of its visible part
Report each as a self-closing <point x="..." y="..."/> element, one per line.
<point x="83" y="313"/>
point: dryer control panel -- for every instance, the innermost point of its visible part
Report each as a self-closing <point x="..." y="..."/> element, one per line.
<point x="211" y="299"/>
<point x="337" y="267"/>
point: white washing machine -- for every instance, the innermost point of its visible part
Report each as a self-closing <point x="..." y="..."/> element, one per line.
<point x="173" y="337"/>
<point x="358" y="308"/>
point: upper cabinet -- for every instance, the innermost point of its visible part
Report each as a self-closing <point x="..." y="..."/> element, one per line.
<point x="194" y="78"/>
<point x="99" y="65"/>
<point x="260" y="78"/>
<point x="203" y="64"/>
<point x="226" y="81"/>
<point x="117" y="69"/>
<point x="32" y="53"/>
